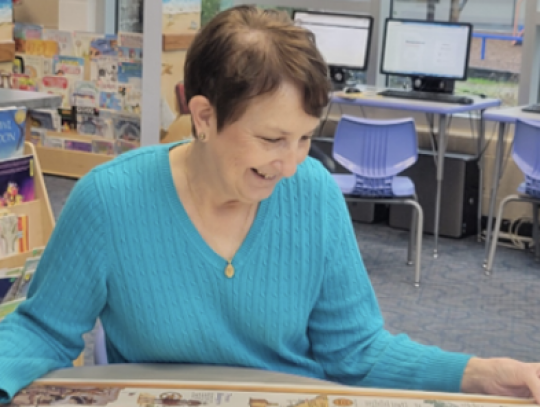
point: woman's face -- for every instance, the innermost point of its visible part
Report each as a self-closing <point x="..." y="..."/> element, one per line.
<point x="265" y="145"/>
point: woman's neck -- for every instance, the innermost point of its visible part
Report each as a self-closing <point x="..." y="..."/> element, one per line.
<point x="205" y="187"/>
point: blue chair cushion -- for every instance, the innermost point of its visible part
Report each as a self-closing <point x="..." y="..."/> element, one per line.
<point x="525" y="189"/>
<point x="401" y="186"/>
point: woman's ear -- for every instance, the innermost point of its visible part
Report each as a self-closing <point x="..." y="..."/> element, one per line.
<point x="202" y="115"/>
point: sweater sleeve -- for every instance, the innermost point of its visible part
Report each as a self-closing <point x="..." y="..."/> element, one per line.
<point x="347" y="329"/>
<point x="66" y="295"/>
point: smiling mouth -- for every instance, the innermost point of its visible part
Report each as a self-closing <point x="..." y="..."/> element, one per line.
<point x="263" y="175"/>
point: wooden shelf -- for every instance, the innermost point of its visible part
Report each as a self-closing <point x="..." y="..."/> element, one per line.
<point x="67" y="163"/>
<point x="7" y="51"/>
<point x="177" y="42"/>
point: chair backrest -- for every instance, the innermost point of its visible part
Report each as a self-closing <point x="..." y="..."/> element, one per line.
<point x="526" y="154"/>
<point x="100" y="349"/>
<point x="375" y="150"/>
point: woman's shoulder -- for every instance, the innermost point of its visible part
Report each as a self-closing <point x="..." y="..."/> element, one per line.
<point x="312" y="181"/>
<point x="311" y="173"/>
<point x="131" y="170"/>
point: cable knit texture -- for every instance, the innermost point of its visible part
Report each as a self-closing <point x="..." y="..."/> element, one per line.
<point x="124" y="250"/>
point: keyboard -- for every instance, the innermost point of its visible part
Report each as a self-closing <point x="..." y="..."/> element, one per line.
<point x="532" y="108"/>
<point x="427" y="96"/>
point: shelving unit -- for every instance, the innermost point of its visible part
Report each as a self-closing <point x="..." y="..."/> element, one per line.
<point x="40" y="215"/>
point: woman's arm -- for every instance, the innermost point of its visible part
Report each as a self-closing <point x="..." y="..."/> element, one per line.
<point x="347" y="328"/>
<point x="66" y="295"/>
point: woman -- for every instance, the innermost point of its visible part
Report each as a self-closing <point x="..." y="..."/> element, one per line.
<point x="233" y="249"/>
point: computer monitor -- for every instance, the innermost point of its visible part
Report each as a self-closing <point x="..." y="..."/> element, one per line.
<point x="434" y="54"/>
<point x="343" y="39"/>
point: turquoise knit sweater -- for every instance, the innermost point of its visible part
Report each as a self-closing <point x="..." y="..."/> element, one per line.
<point x="301" y="302"/>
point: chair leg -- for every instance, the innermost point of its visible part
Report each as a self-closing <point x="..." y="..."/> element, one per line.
<point x="496" y="230"/>
<point x="412" y="235"/>
<point x="536" y="232"/>
<point x="419" y="229"/>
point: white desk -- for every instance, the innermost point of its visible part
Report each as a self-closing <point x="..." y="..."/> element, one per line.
<point x="504" y="117"/>
<point x="444" y="111"/>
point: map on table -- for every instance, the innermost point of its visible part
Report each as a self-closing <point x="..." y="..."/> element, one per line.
<point x="48" y="395"/>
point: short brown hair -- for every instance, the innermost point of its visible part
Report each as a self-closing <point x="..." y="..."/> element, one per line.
<point x="246" y="52"/>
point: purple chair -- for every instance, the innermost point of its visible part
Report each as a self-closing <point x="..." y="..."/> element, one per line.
<point x="526" y="154"/>
<point x="100" y="349"/>
<point x="375" y="151"/>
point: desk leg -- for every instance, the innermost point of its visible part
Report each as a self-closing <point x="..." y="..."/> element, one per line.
<point x="441" y="149"/>
<point x="481" y="164"/>
<point x="499" y="156"/>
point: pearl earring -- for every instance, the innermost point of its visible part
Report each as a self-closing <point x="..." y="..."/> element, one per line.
<point x="201" y="137"/>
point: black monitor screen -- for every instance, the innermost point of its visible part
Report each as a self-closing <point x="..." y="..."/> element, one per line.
<point x="426" y="48"/>
<point x="342" y="39"/>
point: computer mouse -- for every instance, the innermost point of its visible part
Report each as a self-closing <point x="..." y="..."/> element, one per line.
<point x="352" y="90"/>
<point x="466" y="101"/>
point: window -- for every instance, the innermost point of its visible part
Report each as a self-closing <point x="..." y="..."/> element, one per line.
<point x="495" y="55"/>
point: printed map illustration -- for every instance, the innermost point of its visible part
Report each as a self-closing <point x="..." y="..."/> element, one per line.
<point x="39" y="395"/>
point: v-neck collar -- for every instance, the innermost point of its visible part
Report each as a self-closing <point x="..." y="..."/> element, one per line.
<point x="178" y="209"/>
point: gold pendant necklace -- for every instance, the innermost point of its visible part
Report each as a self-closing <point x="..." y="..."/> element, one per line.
<point x="229" y="270"/>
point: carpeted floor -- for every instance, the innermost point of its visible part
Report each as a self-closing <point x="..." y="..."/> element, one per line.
<point x="457" y="307"/>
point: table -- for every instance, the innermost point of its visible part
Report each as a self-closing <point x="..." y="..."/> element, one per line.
<point x="444" y="111"/>
<point x="137" y="385"/>
<point x="180" y="373"/>
<point x="504" y="117"/>
<point x="30" y="100"/>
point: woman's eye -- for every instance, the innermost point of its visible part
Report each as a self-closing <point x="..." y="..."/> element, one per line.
<point x="271" y="140"/>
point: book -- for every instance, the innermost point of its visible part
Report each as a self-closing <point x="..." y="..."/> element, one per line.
<point x="85" y="94"/>
<point x="6" y="11"/>
<point x="13" y="234"/>
<point x="77" y="145"/>
<point x="7" y="279"/>
<point x="57" y="85"/>
<point x="123" y="146"/>
<point x="94" y="122"/>
<point x="130" y="54"/>
<point x="68" y="119"/>
<point x="23" y="32"/>
<point x="107" y="46"/>
<point x="127" y="127"/>
<point x="104" y="71"/>
<point x="64" y="39"/>
<point x="44" y="48"/>
<point x="130" y="40"/>
<point x="24" y="82"/>
<point x="53" y="142"/>
<point x="82" y="41"/>
<point x="70" y="67"/>
<point x="111" y="100"/>
<point x="45" y="119"/>
<point x="133" y="100"/>
<point x="7" y="308"/>
<point x="29" y="269"/>
<point x="17" y="181"/>
<point x="130" y="73"/>
<point x="12" y="132"/>
<point x="37" y="135"/>
<point x="106" y="147"/>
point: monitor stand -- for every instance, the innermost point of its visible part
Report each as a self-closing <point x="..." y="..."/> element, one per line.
<point x="435" y="85"/>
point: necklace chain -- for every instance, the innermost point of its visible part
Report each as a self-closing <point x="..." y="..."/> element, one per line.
<point x="229" y="269"/>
